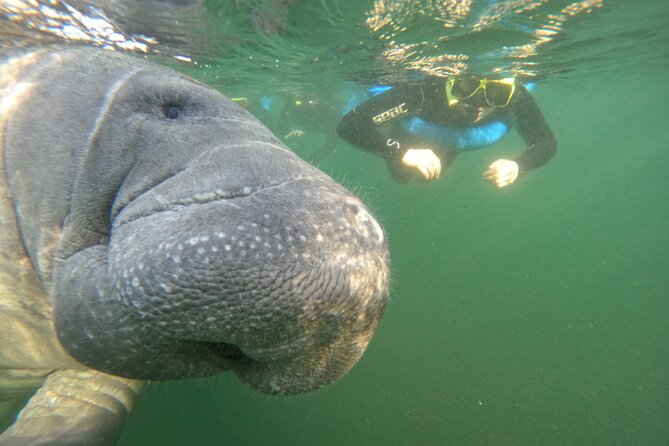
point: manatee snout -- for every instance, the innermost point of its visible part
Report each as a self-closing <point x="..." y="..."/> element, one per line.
<point x="289" y="282"/>
<point x="285" y="285"/>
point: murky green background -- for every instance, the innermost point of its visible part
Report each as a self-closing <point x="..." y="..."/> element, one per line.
<point x="532" y="315"/>
<point x="535" y="315"/>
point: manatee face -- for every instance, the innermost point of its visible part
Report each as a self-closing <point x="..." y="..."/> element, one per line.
<point x="195" y="242"/>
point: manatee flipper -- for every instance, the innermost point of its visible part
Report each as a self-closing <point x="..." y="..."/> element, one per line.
<point x="102" y="403"/>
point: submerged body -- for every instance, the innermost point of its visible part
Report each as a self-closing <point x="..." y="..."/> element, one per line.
<point x="152" y="229"/>
<point x="422" y="115"/>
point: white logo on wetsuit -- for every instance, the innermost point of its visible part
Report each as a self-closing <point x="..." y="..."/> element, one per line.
<point x="390" y="114"/>
<point x="392" y="143"/>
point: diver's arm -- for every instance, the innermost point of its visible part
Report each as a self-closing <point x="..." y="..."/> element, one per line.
<point x="360" y="126"/>
<point x="533" y="128"/>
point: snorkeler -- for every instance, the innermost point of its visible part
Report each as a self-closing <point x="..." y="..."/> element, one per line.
<point x="295" y="115"/>
<point x="432" y="121"/>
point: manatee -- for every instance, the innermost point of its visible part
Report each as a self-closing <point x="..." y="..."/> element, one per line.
<point x="152" y="229"/>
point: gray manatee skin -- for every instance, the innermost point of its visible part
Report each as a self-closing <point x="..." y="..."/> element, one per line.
<point x="152" y="229"/>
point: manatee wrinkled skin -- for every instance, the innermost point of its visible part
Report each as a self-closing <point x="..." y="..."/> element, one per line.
<point x="152" y="229"/>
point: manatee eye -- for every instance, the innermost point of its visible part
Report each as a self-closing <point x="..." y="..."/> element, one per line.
<point x="172" y="111"/>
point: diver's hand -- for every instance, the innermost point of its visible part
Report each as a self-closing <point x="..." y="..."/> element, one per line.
<point x="425" y="161"/>
<point x="502" y="172"/>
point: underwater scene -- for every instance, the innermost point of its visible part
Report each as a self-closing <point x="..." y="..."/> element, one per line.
<point x="536" y="313"/>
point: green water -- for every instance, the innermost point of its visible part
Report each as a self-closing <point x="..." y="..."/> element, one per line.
<point x="532" y="315"/>
<point x="536" y="315"/>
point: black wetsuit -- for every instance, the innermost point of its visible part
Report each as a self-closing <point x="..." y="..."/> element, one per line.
<point x="427" y="99"/>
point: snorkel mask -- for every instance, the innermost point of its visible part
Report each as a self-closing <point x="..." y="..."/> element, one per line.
<point x="497" y="92"/>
